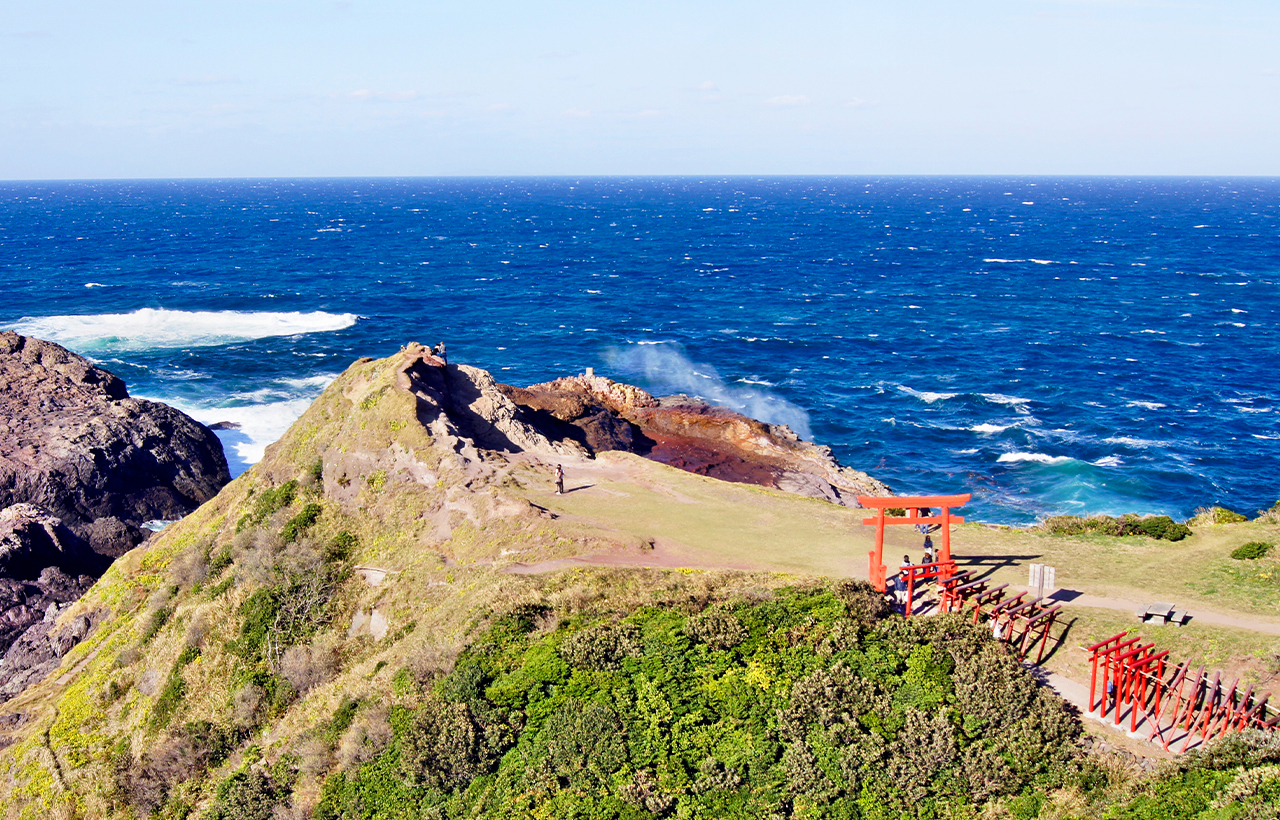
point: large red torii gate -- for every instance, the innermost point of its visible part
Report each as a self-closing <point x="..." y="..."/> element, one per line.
<point x="912" y="505"/>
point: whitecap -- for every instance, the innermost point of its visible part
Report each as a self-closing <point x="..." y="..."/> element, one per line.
<point x="1000" y="398"/>
<point x="925" y="395"/>
<point x="1108" y="461"/>
<point x="1147" y="405"/>
<point x="972" y="451"/>
<point x="990" y="429"/>
<point x="1039" y="458"/>
<point x="321" y="381"/>
<point x="1043" y="261"/>
<point x="95" y="285"/>
<point x="760" y="382"/>
<point x="1130" y="441"/>
<point x="1003" y="261"/>
<point x="151" y="328"/>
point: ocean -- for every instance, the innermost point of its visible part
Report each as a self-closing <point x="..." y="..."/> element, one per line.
<point x="1052" y="345"/>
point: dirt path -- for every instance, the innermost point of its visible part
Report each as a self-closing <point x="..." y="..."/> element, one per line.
<point x="1073" y="598"/>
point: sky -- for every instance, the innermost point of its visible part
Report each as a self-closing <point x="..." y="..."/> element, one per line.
<point x="93" y="89"/>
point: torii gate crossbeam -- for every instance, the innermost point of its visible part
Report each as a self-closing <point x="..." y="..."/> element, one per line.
<point x="912" y="504"/>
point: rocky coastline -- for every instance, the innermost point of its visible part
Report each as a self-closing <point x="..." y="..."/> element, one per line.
<point x="83" y="466"/>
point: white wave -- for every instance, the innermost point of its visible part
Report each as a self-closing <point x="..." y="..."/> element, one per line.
<point x="322" y="381"/>
<point x="926" y="396"/>
<point x="1148" y="405"/>
<point x="990" y="429"/>
<point x="1238" y="310"/>
<point x="258" y="425"/>
<point x="1266" y="438"/>
<point x="1004" y="261"/>
<point x="760" y="382"/>
<point x="972" y="451"/>
<point x="1039" y="458"/>
<point x="666" y="368"/>
<point x="1130" y="441"/>
<point x="1108" y="461"/>
<point x="150" y="328"/>
<point x="1043" y="261"/>
<point x="95" y="285"/>
<point x="1000" y="398"/>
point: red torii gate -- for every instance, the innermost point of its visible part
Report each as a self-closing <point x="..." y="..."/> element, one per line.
<point x="912" y="505"/>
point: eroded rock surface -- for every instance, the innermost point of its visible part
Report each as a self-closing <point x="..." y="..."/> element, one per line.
<point x="582" y="415"/>
<point x="73" y="442"/>
<point x="82" y="467"/>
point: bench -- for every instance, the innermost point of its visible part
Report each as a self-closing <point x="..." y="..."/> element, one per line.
<point x="1163" y="613"/>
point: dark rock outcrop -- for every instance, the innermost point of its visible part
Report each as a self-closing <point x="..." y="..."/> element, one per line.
<point x="82" y="467"/>
<point x="32" y="540"/>
<point x="74" y="443"/>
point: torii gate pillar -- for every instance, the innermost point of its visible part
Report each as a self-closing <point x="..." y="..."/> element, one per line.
<point x="913" y="505"/>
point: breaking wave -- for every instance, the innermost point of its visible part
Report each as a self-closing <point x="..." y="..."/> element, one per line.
<point x="152" y="329"/>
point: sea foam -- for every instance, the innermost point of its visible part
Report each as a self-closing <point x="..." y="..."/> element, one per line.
<point x="1038" y="458"/>
<point x="152" y="328"/>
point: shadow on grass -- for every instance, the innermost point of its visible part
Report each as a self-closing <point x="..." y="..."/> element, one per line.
<point x="1055" y="644"/>
<point x="989" y="563"/>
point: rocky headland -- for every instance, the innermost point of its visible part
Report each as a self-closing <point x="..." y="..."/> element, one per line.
<point x="82" y="467"/>
<point x="395" y="613"/>
<point x="585" y="415"/>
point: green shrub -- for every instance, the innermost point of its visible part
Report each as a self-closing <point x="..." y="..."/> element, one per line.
<point x="301" y="522"/>
<point x="1154" y="526"/>
<point x="268" y="503"/>
<point x="1161" y="527"/>
<point x="601" y="647"/>
<point x="1251" y="551"/>
<point x="863" y="602"/>
<point x="341" y="548"/>
<point x="716" y="628"/>
<point x="247" y="795"/>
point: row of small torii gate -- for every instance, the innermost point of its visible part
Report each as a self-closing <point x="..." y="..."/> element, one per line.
<point x="1131" y="681"/>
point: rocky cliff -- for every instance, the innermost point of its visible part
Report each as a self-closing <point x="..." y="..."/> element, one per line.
<point x="600" y="414"/>
<point x="82" y="467"/>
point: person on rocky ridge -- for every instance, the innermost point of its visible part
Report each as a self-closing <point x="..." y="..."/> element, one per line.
<point x="559" y="480"/>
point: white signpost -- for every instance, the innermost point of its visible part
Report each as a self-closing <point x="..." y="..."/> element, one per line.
<point x="1042" y="578"/>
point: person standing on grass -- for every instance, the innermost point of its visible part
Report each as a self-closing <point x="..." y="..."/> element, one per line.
<point x="559" y="480"/>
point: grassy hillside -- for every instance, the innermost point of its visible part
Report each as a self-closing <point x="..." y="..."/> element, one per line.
<point x="378" y="621"/>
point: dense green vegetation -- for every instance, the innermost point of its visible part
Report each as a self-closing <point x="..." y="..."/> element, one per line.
<point x="796" y="705"/>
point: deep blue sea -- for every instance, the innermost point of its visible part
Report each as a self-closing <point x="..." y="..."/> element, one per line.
<point x="1054" y="345"/>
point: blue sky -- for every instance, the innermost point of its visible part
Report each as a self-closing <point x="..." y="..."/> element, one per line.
<point x="188" y="88"/>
